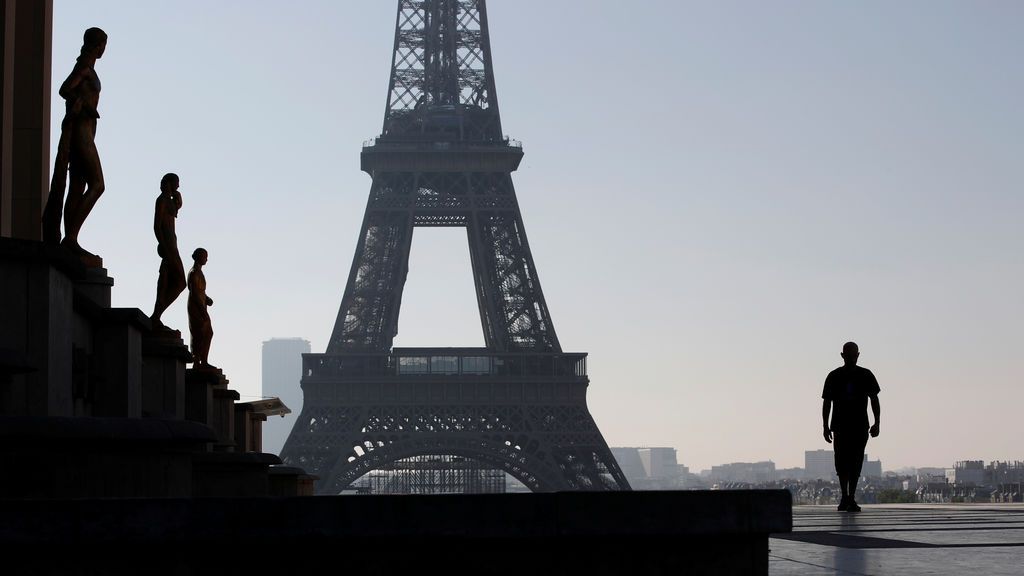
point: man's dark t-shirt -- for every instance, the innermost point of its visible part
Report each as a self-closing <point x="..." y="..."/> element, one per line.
<point x="849" y="387"/>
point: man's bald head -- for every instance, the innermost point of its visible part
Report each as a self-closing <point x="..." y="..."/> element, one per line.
<point x="850" y="353"/>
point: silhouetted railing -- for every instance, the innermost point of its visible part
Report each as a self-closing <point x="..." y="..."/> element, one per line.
<point x="444" y="362"/>
<point x="432" y="141"/>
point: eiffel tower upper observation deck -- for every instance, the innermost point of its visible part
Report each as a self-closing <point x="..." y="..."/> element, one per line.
<point x="442" y="160"/>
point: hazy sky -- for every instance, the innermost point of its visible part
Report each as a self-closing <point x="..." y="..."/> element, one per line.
<point x="717" y="195"/>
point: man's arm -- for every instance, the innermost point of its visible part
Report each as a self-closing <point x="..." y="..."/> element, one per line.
<point x="826" y="406"/>
<point x="877" y="409"/>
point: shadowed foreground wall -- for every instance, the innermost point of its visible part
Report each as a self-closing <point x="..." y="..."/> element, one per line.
<point x="715" y="533"/>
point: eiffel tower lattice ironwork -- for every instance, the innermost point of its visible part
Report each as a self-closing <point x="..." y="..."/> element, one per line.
<point x="441" y="160"/>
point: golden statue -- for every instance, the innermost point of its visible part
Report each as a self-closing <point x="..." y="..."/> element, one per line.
<point x="77" y="157"/>
<point x="198" y="316"/>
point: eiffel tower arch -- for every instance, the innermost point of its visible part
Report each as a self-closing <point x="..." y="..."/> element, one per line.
<point x="519" y="404"/>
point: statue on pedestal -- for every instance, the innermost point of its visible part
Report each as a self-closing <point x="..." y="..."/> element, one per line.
<point x="198" y="316"/>
<point x="172" y="273"/>
<point x="77" y="156"/>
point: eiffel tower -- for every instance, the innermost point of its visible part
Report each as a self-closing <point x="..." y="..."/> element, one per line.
<point x="520" y="403"/>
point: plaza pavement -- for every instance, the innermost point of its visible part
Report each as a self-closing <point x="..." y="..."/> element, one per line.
<point x="903" y="540"/>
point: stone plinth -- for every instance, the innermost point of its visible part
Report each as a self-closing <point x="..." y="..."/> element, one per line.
<point x="95" y="285"/>
<point x="249" y="428"/>
<point x="224" y="419"/>
<point x="119" y="354"/>
<point x="208" y="400"/>
<point x="37" y="308"/>
<point x="164" y="356"/>
<point x="715" y="533"/>
<point x="199" y="386"/>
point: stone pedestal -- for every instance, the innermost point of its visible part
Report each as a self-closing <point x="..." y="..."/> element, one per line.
<point x="36" y="305"/>
<point x="224" y="419"/>
<point x="95" y="285"/>
<point x="249" y="428"/>
<point x="164" y="356"/>
<point x="119" y="353"/>
<point x="199" y="385"/>
<point x="208" y="400"/>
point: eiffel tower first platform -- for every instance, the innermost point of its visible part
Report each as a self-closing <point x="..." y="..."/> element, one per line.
<point x="520" y="403"/>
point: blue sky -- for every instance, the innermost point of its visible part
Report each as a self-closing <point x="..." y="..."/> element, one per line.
<point x="718" y="195"/>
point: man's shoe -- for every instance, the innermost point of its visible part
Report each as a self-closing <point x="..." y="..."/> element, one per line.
<point x="844" y="504"/>
<point x="852" y="506"/>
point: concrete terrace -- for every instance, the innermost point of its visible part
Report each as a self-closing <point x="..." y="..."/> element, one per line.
<point x="902" y="539"/>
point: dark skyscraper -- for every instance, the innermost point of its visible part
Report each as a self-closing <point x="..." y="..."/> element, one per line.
<point x="282" y="370"/>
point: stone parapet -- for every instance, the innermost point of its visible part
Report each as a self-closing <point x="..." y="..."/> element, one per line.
<point x="718" y="533"/>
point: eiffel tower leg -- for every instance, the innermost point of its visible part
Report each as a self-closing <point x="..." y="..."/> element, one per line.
<point x="368" y="318"/>
<point x="508" y="289"/>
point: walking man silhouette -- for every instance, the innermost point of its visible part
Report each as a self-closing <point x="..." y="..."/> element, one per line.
<point x="846" y="394"/>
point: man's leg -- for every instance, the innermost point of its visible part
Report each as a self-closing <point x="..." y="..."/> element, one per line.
<point x="839" y="453"/>
<point x="855" y="462"/>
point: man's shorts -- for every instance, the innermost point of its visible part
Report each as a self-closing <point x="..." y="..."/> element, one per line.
<point x="849" y="450"/>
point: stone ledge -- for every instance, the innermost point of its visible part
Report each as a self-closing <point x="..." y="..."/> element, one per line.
<point x="35" y="430"/>
<point x="716" y="533"/>
<point x="678" y="514"/>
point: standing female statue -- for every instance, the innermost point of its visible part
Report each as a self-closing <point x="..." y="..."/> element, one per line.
<point x="198" y="316"/>
<point x="76" y="151"/>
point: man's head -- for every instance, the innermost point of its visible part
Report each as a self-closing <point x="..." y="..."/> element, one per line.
<point x="850" y="353"/>
<point x="200" y="255"/>
<point x="169" y="183"/>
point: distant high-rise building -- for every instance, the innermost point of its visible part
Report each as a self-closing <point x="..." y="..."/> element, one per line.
<point x="967" y="473"/>
<point x="871" y="468"/>
<point x="819" y="465"/>
<point x="282" y="371"/>
<point x="630" y="463"/>
<point x="660" y="463"/>
<point x="650" y="468"/>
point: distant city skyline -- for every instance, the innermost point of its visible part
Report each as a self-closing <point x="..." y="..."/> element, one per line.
<point x="717" y="196"/>
<point x="828" y="463"/>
